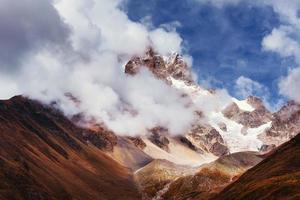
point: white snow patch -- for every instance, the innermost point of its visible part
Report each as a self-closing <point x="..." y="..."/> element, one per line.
<point x="235" y="140"/>
<point x="243" y="105"/>
<point x="192" y="90"/>
<point x="257" y="131"/>
<point x="212" y="105"/>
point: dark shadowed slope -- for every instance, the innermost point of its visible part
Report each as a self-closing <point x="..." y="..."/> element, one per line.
<point x="45" y="156"/>
<point x="277" y="177"/>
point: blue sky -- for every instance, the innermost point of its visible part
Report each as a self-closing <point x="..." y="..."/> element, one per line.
<point x="249" y="47"/>
<point x="225" y="42"/>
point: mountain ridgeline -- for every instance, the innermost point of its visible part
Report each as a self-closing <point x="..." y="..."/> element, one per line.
<point x="237" y="150"/>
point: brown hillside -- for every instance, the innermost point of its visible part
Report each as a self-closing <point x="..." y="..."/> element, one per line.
<point x="45" y="156"/>
<point x="275" y="178"/>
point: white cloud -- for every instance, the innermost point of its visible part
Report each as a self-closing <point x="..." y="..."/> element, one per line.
<point x="165" y="42"/>
<point x="289" y="86"/>
<point x="8" y="87"/>
<point x="102" y="21"/>
<point x="246" y="87"/>
<point x="102" y="39"/>
<point x="280" y="42"/>
<point x="284" y="40"/>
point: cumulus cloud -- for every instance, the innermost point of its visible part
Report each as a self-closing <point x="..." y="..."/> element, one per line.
<point x="76" y="49"/>
<point x="280" y="42"/>
<point x="245" y="87"/>
<point x="164" y="41"/>
<point x="283" y="40"/>
<point x="289" y="85"/>
<point x="25" y="26"/>
<point x="8" y="87"/>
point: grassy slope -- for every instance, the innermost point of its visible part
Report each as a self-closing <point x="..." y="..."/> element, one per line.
<point x="277" y="177"/>
<point x="43" y="156"/>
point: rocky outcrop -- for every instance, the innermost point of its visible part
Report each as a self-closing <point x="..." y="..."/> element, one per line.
<point x="285" y="125"/>
<point x="222" y="126"/>
<point x="158" y="137"/>
<point x="101" y="138"/>
<point x="207" y="138"/>
<point x="130" y="153"/>
<point x="138" y="142"/>
<point x="250" y="119"/>
<point x="163" y="68"/>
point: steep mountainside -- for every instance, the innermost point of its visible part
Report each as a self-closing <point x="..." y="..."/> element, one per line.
<point x="285" y="125"/>
<point x="276" y="177"/>
<point x="162" y="179"/>
<point x="45" y="156"/>
<point x="234" y="126"/>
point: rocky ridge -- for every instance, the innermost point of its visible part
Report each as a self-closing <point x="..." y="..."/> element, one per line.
<point x="240" y="126"/>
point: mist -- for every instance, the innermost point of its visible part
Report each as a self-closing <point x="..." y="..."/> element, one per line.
<point x="81" y="67"/>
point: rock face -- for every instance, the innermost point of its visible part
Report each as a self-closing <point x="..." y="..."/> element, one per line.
<point x="244" y="125"/>
<point x="158" y="137"/>
<point x="138" y="142"/>
<point x="276" y="177"/>
<point x="285" y="125"/>
<point x="206" y="138"/>
<point x="43" y="155"/>
<point x="200" y="139"/>
<point x="250" y="119"/>
<point x="101" y="138"/>
<point x="173" y="66"/>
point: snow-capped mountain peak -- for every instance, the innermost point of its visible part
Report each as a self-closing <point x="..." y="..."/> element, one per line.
<point x="225" y="124"/>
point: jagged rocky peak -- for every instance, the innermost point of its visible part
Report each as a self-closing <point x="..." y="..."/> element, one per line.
<point x="285" y="125"/>
<point x="250" y="113"/>
<point x="255" y="102"/>
<point x="289" y="111"/>
<point x="162" y="67"/>
<point x="231" y="110"/>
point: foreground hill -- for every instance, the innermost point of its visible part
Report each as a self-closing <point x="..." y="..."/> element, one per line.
<point x="277" y="177"/>
<point x="44" y="156"/>
<point x="182" y="182"/>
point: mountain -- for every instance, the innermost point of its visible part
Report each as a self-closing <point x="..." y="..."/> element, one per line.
<point x="43" y="155"/>
<point x="226" y="136"/>
<point x="227" y="125"/>
<point x="162" y="179"/>
<point x="276" y="177"/>
<point x="46" y="155"/>
<point x="285" y="125"/>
